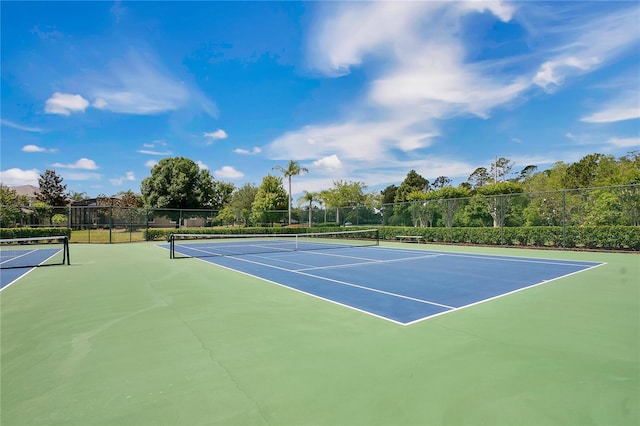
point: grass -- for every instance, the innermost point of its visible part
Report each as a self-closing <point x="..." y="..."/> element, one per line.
<point x="105" y="236"/>
<point x="125" y="336"/>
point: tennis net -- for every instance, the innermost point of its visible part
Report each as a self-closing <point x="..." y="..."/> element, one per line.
<point x="211" y="245"/>
<point x="34" y="251"/>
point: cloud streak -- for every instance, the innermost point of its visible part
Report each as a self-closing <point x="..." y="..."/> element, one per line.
<point x="83" y="163"/>
<point x="20" y="126"/>
<point x="36" y="148"/>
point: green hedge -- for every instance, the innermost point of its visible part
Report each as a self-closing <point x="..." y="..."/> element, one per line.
<point x="34" y="232"/>
<point x="573" y="237"/>
<point x="163" y="234"/>
<point x="579" y="237"/>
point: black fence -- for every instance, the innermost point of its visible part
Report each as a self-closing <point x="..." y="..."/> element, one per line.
<point x="605" y="206"/>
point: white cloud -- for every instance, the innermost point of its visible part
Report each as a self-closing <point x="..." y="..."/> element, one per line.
<point x="99" y="104"/>
<point x="554" y="72"/>
<point x="425" y="70"/>
<point x="65" y="104"/>
<point x="149" y="152"/>
<point x="329" y="164"/>
<point x="626" y="107"/>
<point x="129" y="176"/>
<point x="138" y="83"/>
<point x="421" y="69"/>
<point x="17" y="177"/>
<point x="66" y="175"/>
<point x="368" y="141"/>
<point x="214" y="136"/>
<point x="35" y="148"/>
<point x="253" y="151"/>
<point x="625" y="142"/>
<point x="83" y="163"/>
<point x="20" y="126"/>
<point x="589" y="44"/>
<point x="612" y="115"/>
<point x="228" y="172"/>
<point x="421" y="74"/>
<point x="150" y="163"/>
<point x="201" y="165"/>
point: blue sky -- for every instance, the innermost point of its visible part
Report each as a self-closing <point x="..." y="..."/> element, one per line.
<point x="101" y="91"/>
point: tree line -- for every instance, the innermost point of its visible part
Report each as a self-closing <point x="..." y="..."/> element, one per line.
<point x="178" y="183"/>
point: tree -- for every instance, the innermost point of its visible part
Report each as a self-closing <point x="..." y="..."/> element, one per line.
<point x="270" y="196"/>
<point x="10" y="205"/>
<point x="78" y="196"/>
<point x="52" y="191"/>
<point x="500" y="169"/>
<point x="583" y="173"/>
<point x="309" y="197"/>
<point x="292" y="169"/>
<point x="447" y="199"/>
<point x="389" y="194"/>
<point x="441" y="182"/>
<point x="479" y="177"/>
<point x="226" y="215"/>
<point x="526" y="173"/>
<point x="496" y="196"/>
<point x="222" y="193"/>
<point x="242" y="200"/>
<point x="403" y="214"/>
<point x="413" y="182"/>
<point x="344" y="194"/>
<point x="178" y="183"/>
<point x="129" y="199"/>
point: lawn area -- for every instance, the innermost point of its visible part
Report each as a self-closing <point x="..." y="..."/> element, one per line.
<point x="105" y="236"/>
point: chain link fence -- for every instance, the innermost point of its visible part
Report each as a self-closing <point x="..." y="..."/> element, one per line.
<point x="605" y="206"/>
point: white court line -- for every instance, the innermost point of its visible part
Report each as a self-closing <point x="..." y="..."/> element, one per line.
<point x="501" y="257"/>
<point x="372" y="262"/>
<point x="222" y="252"/>
<point x="18" y="257"/>
<point x="30" y="269"/>
<point x="401" y="296"/>
<point x="395" y="250"/>
<point x="504" y="294"/>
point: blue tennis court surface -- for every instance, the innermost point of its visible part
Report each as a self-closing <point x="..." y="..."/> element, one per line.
<point x="403" y="286"/>
<point x="15" y="263"/>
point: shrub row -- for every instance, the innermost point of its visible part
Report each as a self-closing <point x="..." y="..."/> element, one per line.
<point x="579" y="237"/>
<point x="163" y="234"/>
<point x="34" y="232"/>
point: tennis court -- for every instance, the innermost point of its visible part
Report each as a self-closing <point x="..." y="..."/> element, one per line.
<point x="400" y="285"/>
<point x="127" y="336"/>
<point x="20" y="256"/>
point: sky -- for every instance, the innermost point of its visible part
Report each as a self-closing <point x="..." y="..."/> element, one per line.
<point x="354" y="91"/>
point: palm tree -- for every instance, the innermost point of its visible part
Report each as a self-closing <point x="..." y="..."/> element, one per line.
<point x="292" y="169"/>
<point x="309" y="197"/>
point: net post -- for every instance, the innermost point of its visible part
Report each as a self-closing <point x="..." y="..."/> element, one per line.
<point x="171" y="246"/>
<point x="377" y="234"/>
<point x="65" y="251"/>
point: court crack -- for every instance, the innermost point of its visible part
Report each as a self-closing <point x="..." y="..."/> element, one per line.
<point x="228" y="373"/>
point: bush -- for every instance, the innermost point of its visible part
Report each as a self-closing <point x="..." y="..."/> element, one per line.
<point x="587" y="237"/>
<point x="34" y="232"/>
<point x="580" y="237"/>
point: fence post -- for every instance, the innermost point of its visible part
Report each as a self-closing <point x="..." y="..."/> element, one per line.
<point x="110" y="221"/>
<point x="564" y="220"/>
